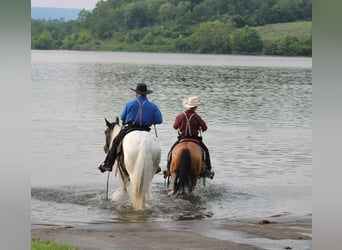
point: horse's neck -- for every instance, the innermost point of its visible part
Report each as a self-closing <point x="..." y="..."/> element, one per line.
<point x="115" y="132"/>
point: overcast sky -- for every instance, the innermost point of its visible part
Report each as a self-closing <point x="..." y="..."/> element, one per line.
<point x="72" y="4"/>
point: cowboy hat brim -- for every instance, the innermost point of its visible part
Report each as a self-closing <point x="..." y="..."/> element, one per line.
<point x="142" y="92"/>
<point x="191" y="106"/>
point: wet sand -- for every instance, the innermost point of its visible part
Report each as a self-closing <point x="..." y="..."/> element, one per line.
<point x="275" y="232"/>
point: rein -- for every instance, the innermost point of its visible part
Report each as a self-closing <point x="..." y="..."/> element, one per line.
<point x="155" y="130"/>
<point x="107" y="185"/>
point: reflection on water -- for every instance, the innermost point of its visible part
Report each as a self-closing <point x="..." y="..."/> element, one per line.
<point x="259" y="134"/>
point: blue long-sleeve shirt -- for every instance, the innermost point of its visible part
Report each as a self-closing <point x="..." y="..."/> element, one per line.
<point x="150" y="113"/>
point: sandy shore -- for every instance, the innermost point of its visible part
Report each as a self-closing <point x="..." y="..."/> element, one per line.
<point x="276" y="232"/>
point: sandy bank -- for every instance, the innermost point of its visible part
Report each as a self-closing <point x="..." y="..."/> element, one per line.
<point x="269" y="233"/>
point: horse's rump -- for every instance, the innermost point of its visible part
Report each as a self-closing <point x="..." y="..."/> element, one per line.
<point x="121" y="153"/>
<point x="186" y="165"/>
<point x="142" y="157"/>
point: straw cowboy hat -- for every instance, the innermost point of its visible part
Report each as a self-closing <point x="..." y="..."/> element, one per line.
<point x="191" y="102"/>
<point x="142" y="89"/>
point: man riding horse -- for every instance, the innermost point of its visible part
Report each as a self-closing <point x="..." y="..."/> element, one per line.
<point x="189" y="125"/>
<point x="138" y="114"/>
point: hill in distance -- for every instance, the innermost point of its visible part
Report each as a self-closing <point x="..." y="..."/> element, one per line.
<point x="47" y="13"/>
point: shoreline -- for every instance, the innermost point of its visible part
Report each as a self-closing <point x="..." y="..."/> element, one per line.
<point x="275" y="232"/>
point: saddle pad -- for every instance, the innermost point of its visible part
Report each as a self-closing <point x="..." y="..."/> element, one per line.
<point x="189" y="139"/>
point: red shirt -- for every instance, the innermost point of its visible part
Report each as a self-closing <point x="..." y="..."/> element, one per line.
<point x="195" y="123"/>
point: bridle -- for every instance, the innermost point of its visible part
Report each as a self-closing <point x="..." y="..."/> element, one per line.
<point x="108" y="132"/>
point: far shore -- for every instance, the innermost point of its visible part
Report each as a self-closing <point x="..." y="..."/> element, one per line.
<point x="274" y="232"/>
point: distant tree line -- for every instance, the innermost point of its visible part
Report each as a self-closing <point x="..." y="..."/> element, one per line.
<point x="193" y="26"/>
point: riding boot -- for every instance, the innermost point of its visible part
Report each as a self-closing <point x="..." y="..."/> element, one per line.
<point x="166" y="172"/>
<point x="107" y="165"/>
<point x="103" y="168"/>
<point x="208" y="172"/>
<point x="169" y="155"/>
<point x="158" y="170"/>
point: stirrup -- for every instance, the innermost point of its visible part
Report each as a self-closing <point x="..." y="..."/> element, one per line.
<point x="158" y="170"/>
<point x="166" y="173"/>
<point x="209" y="174"/>
<point x="212" y="174"/>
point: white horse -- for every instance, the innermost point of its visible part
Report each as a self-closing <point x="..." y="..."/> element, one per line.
<point x="142" y="152"/>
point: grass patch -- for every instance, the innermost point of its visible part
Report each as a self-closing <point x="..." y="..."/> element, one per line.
<point x="270" y="32"/>
<point x="37" y="244"/>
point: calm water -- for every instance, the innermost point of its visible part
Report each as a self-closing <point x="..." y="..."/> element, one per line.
<point x="258" y="111"/>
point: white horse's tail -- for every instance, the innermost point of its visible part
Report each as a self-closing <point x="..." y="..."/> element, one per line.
<point x="142" y="174"/>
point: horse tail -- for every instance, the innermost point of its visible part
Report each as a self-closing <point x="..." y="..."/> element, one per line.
<point x="142" y="174"/>
<point x="184" y="172"/>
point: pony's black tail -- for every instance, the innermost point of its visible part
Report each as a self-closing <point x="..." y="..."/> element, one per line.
<point x="184" y="171"/>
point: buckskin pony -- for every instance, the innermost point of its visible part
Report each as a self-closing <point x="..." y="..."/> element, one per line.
<point x="187" y="165"/>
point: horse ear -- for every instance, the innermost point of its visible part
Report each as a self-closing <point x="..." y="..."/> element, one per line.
<point x="107" y="123"/>
<point x="117" y="120"/>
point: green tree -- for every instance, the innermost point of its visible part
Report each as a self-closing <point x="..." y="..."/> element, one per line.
<point x="238" y="7"/>
<point x="261" y="14"/>
<point x="183" y="13"/>
<point x="44" y="41"/>
<point x="290" y="46"/>
<point x="211" y="37"/>
<point x="167" y="12"/>
<point x="306" y="46"/>
<point x="37" y="27"/>
<point x="245" y="41"/>
<point x="136" y="15"/>
<point x="286" y="11"/>
<point x="78" y="41"/>
<point x="200" y="26"/>
<point x="306" y="7"/>
<point x="84" y="18"/>
<point x="101" y="22"/>
<point x="239" y="21"/>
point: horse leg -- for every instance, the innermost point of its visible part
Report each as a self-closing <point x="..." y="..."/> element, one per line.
<point x="121" y="192"/>
<point x="122" y="180"/>
<point x="173" y="178"/>
<point x="156" y="162"/>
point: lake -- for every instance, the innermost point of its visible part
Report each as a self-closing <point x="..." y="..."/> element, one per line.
<point x="259" y="116"/>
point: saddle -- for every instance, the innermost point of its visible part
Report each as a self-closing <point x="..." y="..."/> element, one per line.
<point x="190" y="140"/>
